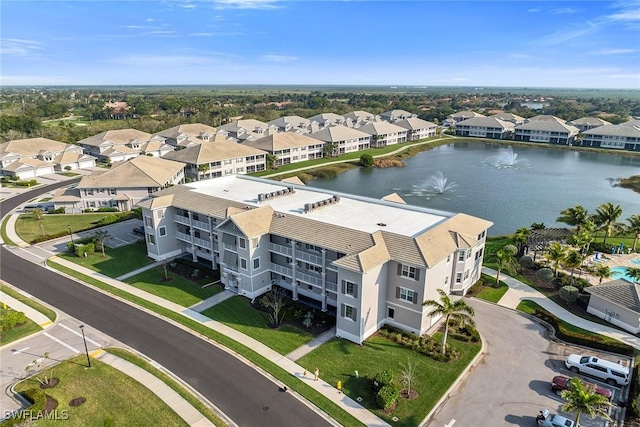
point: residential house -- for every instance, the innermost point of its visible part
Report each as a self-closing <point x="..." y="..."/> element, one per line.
<point x="586" y="123"/>
<point x="247" y="129"/>
<point x="620" y="137"/>
<point x="372" y="262"/>
<point x="394" y="115"/>
<point x="187" y="135"/>
<point x="124" y="144"/>
<point x="417" y="128"/>
<point x="291" y="124"/>
<point x="289" y="147"/>
<point x="485" y="127"/>
<point x="635" y="122"/>
<point x="355" y="119"/>
<point x="384" y="133"/>
<point x="122" y="186"/>
<point x="509" y="117"/>
<point x="454" y="118"/>
<point x="324" y="120"/>
<point x="32" y="157"/>
<point x="216" y="159"/>
<point x="617" y="302"/>
<point x="546" y="128"/>
<point x="342" y="139"/>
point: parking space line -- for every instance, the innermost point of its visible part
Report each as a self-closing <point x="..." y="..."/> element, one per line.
<point x="79" y="334"/>
<point x="61" y="342"/>
<point x="20" y="351"/>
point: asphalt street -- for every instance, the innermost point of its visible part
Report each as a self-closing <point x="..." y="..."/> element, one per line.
<point x="245" y="395"/>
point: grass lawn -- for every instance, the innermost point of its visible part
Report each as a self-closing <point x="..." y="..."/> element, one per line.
<point x="491" y="293"/>
<point x="339" y="359"/>
<point x="117" y="261"/>
<point x="28" y="227"/>
<point x="27" y="328"/>
<point x="179" y="290"/>
<point x="28" y="301"/>
<point x="237" y="313"/>
<point x="3" y="232"/>
<point x="113" y="398"/>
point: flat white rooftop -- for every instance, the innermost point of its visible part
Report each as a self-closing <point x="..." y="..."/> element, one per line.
<point x="354" y="212"/>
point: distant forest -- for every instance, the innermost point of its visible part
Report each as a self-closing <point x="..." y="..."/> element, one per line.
<point x="27" y="112"/>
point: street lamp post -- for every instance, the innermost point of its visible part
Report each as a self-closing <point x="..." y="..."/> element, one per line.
<point x="85" y="345"/>
<point x="70" y="234"/>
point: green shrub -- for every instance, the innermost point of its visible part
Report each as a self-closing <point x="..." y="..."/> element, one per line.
<point x="382" y="379"/>
<point x="87" y="248"/>
<point x="526" y="261"/>
<point x="38" y="400"/>
<point x="366" y="160"/>
<point x="57" y="211"/>
<point x="11" y="318"/>
<point x="569" y="294"/>
<point x="106" y="209"/>
<point x="387" y="396"/>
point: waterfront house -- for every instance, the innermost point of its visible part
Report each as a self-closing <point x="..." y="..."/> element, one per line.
<point x="484" y="127"/>
<point x="618" y="137"/>
<point x="546" y="128"/>
<point x="343" y="139"/>
<point x="509" y="117"/>
<point x="289" y="147"/>
<point x="417" y="128"/>
<point x="384" y="133"/>
<point x="586" y="123"/>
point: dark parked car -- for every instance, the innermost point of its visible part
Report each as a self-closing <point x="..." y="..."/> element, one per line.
<point x="139" y="230"/>
<point x="560" y="383"/>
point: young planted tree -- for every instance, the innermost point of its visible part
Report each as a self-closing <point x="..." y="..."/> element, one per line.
<point x="408" y="376"/>
<point x="276" y="301"/>
<point x="448" y="309"/>
<point x="38" y="213"/>
<point x="581" y="398"/>
<point x="101" y="236"/>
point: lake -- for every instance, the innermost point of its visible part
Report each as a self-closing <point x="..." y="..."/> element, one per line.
<point x="513" y="187"/>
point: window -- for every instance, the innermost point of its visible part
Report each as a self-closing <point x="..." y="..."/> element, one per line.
<point x="160" y="214"/>
<point x="469" y="254"/>
<point x="405" y="294"/>
<point x="461" y="256"/>
<point x="448" y="258"/>
<point x="350" y="288"/>
<point x="391" y="312"/>
<point x="446" y="280"/>
<point x="409" y="272"/>
<point x="162" y="231"/>
<point x="147" y="221"/>
<point x="458" y="277"/>
<point x="242" y="243"/>
<point x="466" y="275"/>
<point x="243" y="263"/>
<point x="478" y="254"/>
<point x="348" y="311"/>
<point x="151" y="239"/>
<point x="256" y="263"/>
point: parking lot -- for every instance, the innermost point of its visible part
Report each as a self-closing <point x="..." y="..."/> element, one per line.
<point x="511" y="384"/>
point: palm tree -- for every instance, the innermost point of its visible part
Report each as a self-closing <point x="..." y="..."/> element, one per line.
<point x="634" y="228"/>
<point x="583" y="399"/>
<point x="449" y="309"/>
<point x="606" y="218"/>
<point x="633" y="273"/>
<point x="504" y="261"/>
<point x="575" y="216"/>
<point x="602" y="272"/>
<point x="572" y="260"/>
<point x="520" y="238"/>
<point x="556" y="255"/>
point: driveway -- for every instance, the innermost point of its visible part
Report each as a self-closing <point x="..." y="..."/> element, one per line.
<point x="511" y="384"/>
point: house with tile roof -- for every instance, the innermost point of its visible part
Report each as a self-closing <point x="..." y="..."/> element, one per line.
<point x="371" y="262"/>
<point x="509" y="117"/>
<point x="417" y="129"/>
<point x="547" y="129"/>
<point x="355" y="119"/>
<point x="617" y="302"/>
<point x="187" y="135"/>
<point x="32" y="157"/>
<point x="586" y="123"/>
<point x="122" y="186"/>
<point x="393" y="115"/>
<point x="454" y="118"/>
<point x="384" y="133"/>
<point x="289" y="147"/>
<point x="617" y="137"/>
<point x="323" y="120"/>
<point x="247" y="129"/>
<point x="291" y="124"/>
<point x="216" y="159"/>
<point x="343" y="139"/>
<point x="484" y="127"/>
<point x="124" y="144"/>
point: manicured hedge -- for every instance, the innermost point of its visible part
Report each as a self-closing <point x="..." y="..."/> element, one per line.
<point x="387" y="396"/>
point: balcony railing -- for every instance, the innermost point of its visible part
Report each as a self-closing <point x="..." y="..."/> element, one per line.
<point x="183" y="236"/>
<point x="308" y="257"/>
<point x="201" y="225"/>
<point x="309" y="279"/>
<point x="182" y="219"/>
<point x="281" y="269"/>
<point x="280" y="249"/>
<point x="203" y="243"/>
<point x="333" y="287"/>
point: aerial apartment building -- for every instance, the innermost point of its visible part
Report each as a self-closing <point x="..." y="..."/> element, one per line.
<point x="372" y="262"/>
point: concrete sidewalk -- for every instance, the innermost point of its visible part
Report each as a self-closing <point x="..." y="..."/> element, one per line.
<point x="31" y="313"/>
<point x="329" y="391"/>
<point x="183" y="408"/>
<point x="519" y="291"/>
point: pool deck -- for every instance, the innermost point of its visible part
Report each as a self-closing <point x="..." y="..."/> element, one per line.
<point x="622" y="260"/>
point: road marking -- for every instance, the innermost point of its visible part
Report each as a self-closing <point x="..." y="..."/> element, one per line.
<point x="79" y="334"/>
<point x="451" y="423"/>
<point x="45" y="324"/>
<point x="96" y="354"/>
<point x="20" y="351"/>
<point x="61" y="342"/>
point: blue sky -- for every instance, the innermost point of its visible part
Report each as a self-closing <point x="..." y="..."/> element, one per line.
<point x="590" y="44"/>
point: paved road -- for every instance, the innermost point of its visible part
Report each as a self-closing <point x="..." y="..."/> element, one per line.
<point x="239" y="391"/>
<point x="511" y="384"/>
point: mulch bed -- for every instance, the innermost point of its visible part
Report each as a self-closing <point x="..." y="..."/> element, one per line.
<point x="50" y="384"/>
<point x="50" y="405"/>
<point x="77" y="401"/>
<point x="409" y="396"/>
<point x="390" y="409"/>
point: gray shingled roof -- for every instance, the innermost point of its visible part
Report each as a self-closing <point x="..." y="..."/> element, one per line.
<point x="615" y="130"/>
<point x="486" y="122"/>
<point x="414" y="123"/>
<point x="620" y="292"/>
<point x="338" y="133"/>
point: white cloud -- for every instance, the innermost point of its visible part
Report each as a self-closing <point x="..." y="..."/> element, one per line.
<point x="278" y="58"/>
<point x="563" y="10"/>
<point x="612" y="51"/>
<point x="19" y="47"/>
<point x="169" y="60"/>
<point x="245" y="4"/>
<point x="533" y="10"/>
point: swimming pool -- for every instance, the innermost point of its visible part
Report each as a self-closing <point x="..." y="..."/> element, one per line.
<point x="635" y="261"/>
<point x="620" y="273"/>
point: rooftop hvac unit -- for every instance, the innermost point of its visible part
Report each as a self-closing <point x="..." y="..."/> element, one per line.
<point x="336" y="198"/>
<point x="291" y="190"/>
<point x="307" y="207"/>
<point x="261" y="197"/>
<point x="273" y="194"/>
<point x="315" y="205"/>
<point x="279" y="192"/>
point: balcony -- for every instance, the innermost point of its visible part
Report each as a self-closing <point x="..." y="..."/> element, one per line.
<point x="309" y="279"/>
<point x="280" y="249"/>
<point x="304" y="256"/>
<point x="201" y="225"/>
<point x="281" y="269"/>
<point x="202" y="243"/>
<point x="183" y="236"/>
<point x="182" y="219"/>
<point x="333" y="287"/>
